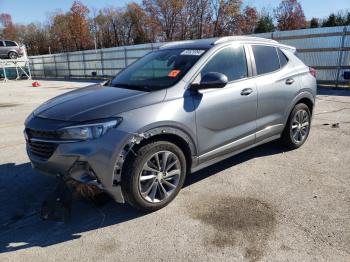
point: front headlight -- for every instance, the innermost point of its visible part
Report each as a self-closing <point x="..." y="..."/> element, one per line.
<point x="88" y="131"/>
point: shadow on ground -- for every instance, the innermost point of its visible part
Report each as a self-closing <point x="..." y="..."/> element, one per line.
<point x="22" y="192"/>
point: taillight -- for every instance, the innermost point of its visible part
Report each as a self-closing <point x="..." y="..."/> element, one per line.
<point x="313" y="72"/>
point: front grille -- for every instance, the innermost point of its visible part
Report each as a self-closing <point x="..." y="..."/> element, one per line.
<point x="42" y="149"/>
<point x="43" y="134"/>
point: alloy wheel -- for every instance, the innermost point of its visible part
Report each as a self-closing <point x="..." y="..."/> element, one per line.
<point x="159" y="176"/>
<point x="300" y="126"/>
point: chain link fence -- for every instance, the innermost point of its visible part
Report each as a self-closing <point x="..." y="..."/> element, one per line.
<point x="325" y="49"/>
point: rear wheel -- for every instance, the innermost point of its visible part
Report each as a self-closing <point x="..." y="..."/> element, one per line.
<point x="154" y="177"/>
<point x="298" y="126"/>
<point x="13" y="55"/>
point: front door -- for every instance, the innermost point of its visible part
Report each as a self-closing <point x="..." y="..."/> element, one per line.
<point x="226" y="117"/>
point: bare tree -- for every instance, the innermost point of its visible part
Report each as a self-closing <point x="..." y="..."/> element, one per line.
<point x="8" y="29"/>
<point x="290" y="15"/>
<point x="225" y="16"/>
<point x="248" y="20"/>
<point x="78" y="25"/>
<point x="166" y="14"/>
<point x="196" y="19"/>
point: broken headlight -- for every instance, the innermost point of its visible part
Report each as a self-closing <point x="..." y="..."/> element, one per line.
<point x="89" y="131"/>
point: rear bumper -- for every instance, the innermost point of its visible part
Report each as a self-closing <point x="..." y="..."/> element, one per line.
<point x="92" y="162"/>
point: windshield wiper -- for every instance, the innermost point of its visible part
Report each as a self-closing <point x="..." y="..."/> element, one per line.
<point x="134" y="87"/>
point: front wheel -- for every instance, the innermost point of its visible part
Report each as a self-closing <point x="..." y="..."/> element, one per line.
<point x="153" y="178"/>
<point x="298" y="126"/>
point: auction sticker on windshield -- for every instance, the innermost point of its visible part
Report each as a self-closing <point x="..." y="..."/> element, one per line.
<point x="173" y="73"/>
<point x="192" y="52"/>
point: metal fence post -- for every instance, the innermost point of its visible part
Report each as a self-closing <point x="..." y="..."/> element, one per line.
<point x="84" y="64"/>
<point x="43" y="63"/>
<point x="55" y="64"/>
<point x="102" y="66"/>
<point x="125" y="57"/>
<point x="340" y="58"/>
<point x="68" y="64"/>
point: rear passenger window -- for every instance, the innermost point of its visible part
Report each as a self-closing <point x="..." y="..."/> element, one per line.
<point x="282" y="57"/>
<point x="229" y="61"/>
<point x="266" y="59"/>
<point x="1" y="43"/>
<point x="10" y="43"/>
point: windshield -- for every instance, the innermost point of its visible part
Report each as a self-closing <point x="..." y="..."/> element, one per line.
<point x="158" y="70"/>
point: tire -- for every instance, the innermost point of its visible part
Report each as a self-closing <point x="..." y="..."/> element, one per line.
<point x="13" y="55"/>
<point x="142" y="171"/>
<point x="298" y="127"/>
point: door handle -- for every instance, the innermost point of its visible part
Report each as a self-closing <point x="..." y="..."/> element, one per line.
<point x="289" y="81"/>
<point x="246" y="91"/>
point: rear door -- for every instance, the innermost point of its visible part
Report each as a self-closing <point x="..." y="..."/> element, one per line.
<point x="276" y="88"/>
<point x="225" y="117"/>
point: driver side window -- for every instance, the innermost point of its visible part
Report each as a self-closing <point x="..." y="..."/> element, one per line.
<point x="230" y="61"/>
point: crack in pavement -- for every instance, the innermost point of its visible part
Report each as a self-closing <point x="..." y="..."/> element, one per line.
<point x="333" y="111"/>
<point x="314" y="236"/>
<point x="330" y="100"/>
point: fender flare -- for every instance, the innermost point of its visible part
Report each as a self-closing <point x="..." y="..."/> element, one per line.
<point x="171" y="130"/>
<point x="297" y="98"/>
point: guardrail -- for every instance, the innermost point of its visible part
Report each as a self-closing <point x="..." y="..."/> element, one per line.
<point x="325" y="49"/>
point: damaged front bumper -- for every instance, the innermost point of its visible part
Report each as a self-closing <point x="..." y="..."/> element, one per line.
<point x="97" y="162"/>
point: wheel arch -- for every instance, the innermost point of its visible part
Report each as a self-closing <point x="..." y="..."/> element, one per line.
<point x="174" y="135"/>
<point x="12" y="51"/>
<point x="304" y="97"/>
<point x="306" y="101"/>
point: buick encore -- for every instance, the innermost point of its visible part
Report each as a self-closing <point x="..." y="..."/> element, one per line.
<point x="174" y="111"/>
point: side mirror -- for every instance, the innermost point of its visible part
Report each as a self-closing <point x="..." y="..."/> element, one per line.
<point x="212" y="80"/>
<point x="347" y="75"/>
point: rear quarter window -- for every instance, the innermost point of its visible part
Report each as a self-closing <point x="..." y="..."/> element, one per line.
<point x="282" y="57"/>
<point x="266" y="59"/>
<point x="1" y="43"/>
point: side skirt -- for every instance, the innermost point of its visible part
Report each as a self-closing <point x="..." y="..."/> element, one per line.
<point x="220" y="158"/>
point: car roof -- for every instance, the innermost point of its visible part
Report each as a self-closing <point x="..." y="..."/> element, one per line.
<point x="211" y="42"/>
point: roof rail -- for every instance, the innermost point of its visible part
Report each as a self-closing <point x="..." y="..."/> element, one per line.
<point x="243" y="38"/>
<point x="169" y="44"/>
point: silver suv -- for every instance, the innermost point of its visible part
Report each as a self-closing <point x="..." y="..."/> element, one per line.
<point x="174" y="111"/>
<point x="10" y="49"/>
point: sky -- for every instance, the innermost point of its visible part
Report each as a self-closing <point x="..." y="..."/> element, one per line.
<point x="27" y="11"/>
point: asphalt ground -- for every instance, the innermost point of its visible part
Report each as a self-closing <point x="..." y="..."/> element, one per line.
<point x="266" y="204"/>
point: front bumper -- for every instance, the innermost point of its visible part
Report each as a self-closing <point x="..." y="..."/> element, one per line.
<point x="94" y="161"/>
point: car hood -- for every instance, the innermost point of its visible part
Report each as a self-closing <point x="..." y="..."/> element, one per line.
<point x="96" y="102"/>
